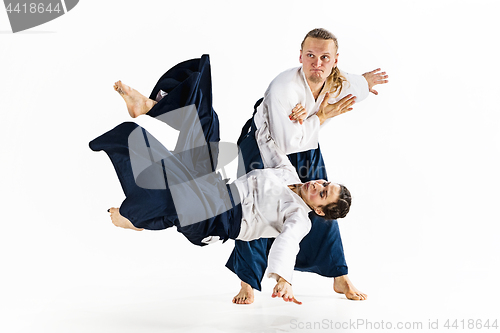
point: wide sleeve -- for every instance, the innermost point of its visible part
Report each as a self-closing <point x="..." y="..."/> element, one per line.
<point x="283" y="253"/>
<point x="355" y="85"/>
<point x="273" y="157"/>
<point x="290" y="136"/>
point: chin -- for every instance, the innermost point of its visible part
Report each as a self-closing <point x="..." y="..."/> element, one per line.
<point x="316" y="78"/>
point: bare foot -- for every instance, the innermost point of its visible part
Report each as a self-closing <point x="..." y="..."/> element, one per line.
<point x="137" y="103"/>
<point x="245" y="296"/>
<point x="342" y="285"/>
<point x="120" y="221"/>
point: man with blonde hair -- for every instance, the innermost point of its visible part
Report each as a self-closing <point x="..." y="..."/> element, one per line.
<point x="297" y="103"/>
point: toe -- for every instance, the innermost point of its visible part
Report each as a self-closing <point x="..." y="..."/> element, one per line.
<point x="353" y="297"/>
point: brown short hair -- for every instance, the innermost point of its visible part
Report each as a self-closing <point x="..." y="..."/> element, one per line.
<point x="339" y="209"/>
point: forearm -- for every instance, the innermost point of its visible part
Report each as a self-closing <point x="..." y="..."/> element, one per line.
<point x="283" y="252"/>
<point x="321" y="118"/>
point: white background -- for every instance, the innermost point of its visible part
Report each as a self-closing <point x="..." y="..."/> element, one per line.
<point x="421" y="160"/>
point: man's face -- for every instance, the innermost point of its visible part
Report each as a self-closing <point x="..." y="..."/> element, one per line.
<point x="318" y="58"/>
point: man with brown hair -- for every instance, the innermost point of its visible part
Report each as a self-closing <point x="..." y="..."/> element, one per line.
<point x="296" y="105"/>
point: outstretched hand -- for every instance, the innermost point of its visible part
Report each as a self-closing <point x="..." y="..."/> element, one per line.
<point x="375" y="77"/>
<point x="331" y="110"/>
<point x="284" y="289"/>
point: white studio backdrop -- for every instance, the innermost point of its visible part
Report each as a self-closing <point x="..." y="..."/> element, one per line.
<point x="421" y="158"/>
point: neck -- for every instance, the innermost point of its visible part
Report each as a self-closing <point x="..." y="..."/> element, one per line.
<point x="296" y="188"/>
<point x="316" y="88"/>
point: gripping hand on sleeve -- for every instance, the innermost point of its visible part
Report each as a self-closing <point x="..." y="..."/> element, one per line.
<point x="332" y="110"/>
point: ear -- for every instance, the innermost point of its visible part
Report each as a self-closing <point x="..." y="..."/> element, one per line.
<point x="319" y="211"/>
<point x="336" y="60"/>
<point x="300" y="56"/>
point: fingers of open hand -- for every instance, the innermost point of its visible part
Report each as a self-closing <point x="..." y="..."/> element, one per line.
<point x="291" y="298"/>
<point x="376" y="78"/>
<point x="373" y="72"/>
<point x="382" y="75"/>
<point x="346" y="101"/>
<point x="376" y="74"/>
<point x="380" y="78"/>
<point x="344" y="104"/>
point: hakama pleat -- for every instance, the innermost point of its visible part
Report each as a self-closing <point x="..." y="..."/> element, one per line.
<point x="151" y="175"/>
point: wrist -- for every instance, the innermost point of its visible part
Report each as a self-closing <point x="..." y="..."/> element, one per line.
<point x="280" y="279"/>
<point x="370" y="85"/>
<point x="321" y="118"/>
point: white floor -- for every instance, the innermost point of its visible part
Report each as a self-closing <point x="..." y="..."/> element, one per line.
<point x="112" y="280"/>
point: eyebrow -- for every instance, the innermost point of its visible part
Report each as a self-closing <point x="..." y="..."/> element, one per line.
<point x="310" y="51"/>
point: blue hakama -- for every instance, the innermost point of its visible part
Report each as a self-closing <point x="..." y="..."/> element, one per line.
<point x="189" y="83"/>
<point x="150" y="206"/>
<point x="321" y="251"/>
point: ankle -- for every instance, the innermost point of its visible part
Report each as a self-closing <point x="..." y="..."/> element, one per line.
<point x="245" y="285"/>
<point x="149" y="105"/>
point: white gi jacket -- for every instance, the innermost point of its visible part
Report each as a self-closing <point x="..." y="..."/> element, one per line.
<point x="284" y="92"/>
<point x="271" y="210"/>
